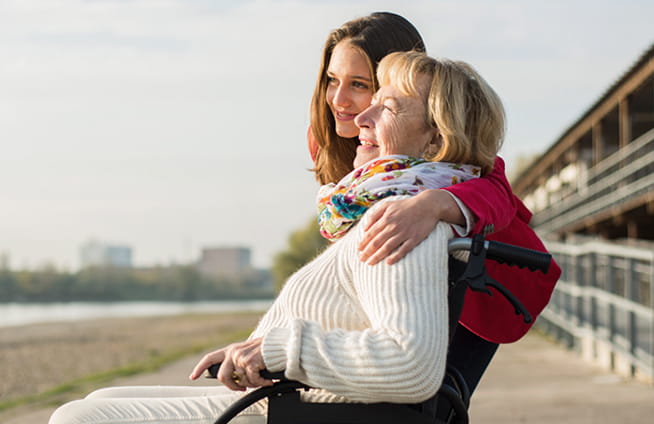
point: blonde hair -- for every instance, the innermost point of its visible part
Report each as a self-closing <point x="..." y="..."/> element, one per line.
<point x="466" y="111"/>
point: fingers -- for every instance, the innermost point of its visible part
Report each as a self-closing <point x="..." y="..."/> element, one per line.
<point x="375" y="238"/>
<point x="401" y="252"/>
<point x="239" y="377"/>
<point x="380" y="247"/>
<point x="394" y="230"/>
<point x="241" y="364"/>
<point x="377" y="234"/>
<point x="253" y="376"/>
<point x="230" y="376"/>
<point x="392" y="245"/>
<point x="207" y="360"/>
<point x="250" y="358"/>
<point x="374" y="216"/>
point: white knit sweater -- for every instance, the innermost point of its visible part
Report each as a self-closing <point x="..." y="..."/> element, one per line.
<point x="367" y="333"/>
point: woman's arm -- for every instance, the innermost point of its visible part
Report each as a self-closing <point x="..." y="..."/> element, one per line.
<point x="397" y="227"/>
<point x="400" y="355"/>
<point x="489" y="198"/>
<point x="400" y="227"/>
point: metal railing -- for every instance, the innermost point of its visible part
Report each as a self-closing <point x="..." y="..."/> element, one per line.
<point x="603" y="304"/>
<point x="626" y="174"/>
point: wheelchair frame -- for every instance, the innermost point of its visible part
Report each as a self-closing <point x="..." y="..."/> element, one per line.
<point x="450" y="403"/>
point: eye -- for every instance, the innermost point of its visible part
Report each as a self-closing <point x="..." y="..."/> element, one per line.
<point x="389" y="106"/>
<point x="361" y="85"/>
<point x="331" y="81"/>
<point x="380" y="103"/>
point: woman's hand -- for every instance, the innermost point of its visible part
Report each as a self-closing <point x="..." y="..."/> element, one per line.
<point x="395" y="228"/>
<point x="242" y="360"/>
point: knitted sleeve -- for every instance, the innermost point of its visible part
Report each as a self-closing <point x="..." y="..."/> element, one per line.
<point x="400" y="357"/>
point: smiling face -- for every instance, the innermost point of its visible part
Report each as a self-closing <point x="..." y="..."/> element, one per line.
<point x="349" y="88"/>
<point x="395" y="124"/>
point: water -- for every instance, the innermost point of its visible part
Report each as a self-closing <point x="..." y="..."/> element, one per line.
<point x="13" y="314"/>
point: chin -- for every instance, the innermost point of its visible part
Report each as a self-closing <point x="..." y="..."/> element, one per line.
<point x="362" y="159"/>
<point x="346" y="132"/>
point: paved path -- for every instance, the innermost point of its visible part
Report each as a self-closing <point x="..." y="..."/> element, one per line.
<point x="534" y="381"/>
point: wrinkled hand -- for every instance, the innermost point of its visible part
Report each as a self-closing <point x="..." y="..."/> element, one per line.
<point x="395" y="228"/>
<point x="244" y="358"/>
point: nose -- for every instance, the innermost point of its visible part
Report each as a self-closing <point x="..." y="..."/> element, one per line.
<point x="363" y="119"/>
<point x="342" y="97"/>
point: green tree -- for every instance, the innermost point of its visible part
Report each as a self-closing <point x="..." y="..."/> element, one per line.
<point x="303" y="245"/>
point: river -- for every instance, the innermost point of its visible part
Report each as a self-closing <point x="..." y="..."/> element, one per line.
<point x="14" y="314"/>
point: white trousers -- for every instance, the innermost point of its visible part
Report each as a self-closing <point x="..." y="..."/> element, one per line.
<point x="156" y="404"/>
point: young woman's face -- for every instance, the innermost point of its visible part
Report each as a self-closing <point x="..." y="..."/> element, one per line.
<point x="395" y="124"/>
<point x="349" y="87"/>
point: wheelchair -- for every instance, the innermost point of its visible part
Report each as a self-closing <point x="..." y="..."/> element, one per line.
<point x="450" y="403"/>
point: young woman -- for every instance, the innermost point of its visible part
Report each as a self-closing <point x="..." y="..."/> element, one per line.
<point x="346" y="83"/>
<point x="359" y="332"/>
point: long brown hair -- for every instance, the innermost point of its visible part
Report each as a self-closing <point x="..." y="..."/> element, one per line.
<point x="375" y="35"/>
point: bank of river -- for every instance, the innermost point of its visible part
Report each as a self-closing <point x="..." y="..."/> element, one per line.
<point x="56" y="361"/>
<point x="13" y="314"/>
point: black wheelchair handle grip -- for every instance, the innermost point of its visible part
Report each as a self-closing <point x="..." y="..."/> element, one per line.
<point x="506" y="253"/>
<point x="212" y="372"/>
<point x="519" y="256"/>
<point x="269" y="375"/>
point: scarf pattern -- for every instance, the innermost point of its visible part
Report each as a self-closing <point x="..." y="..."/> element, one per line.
<point x="341" y="205"/>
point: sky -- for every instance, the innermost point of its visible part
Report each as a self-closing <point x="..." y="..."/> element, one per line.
<point x="173" y="125"/>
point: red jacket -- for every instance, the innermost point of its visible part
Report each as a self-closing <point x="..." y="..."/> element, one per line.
<point x="503" y="217"/>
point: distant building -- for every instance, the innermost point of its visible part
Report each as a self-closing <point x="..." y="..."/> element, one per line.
<point x="95" y="253"/>
<point x="4" y="261"/>
<point x="225" y="261"/>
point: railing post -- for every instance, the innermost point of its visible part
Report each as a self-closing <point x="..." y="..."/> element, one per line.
<point x="631" y="293"/>
<point x="576" y="273"/>
<point x="583" y="308"/>
<point x="593" y="300"/>
<point x="609" y="274"/>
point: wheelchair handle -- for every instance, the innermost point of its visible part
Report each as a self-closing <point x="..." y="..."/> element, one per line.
<point x="212" y="372"/>
<point x="506" y="253"/>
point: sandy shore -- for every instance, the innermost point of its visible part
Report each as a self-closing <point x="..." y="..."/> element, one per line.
<point x="60" y="357"/>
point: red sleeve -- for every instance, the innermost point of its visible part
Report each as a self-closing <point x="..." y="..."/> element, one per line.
<point x="489" y="198"/>
<point x="313" y="144"/>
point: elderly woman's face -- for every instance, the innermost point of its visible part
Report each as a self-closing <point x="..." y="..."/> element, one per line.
<point x="394" y="123"/>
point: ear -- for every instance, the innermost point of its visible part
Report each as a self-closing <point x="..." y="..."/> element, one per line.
<point x="434" y="145"/>
<point x="437" y="139"/>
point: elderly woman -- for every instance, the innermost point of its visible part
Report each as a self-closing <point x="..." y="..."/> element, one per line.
<point x="363" y="333"/>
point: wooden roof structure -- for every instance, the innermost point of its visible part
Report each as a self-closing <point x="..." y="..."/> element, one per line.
<point x="598" y="176"/>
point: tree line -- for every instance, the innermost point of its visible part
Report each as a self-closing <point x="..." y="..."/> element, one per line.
<point x="169" y="283"/>
<point x="304" y="244"/>
<point x="163" y="283"/>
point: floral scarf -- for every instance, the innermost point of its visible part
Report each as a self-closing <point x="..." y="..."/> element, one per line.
<point x="341" y="205"/>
